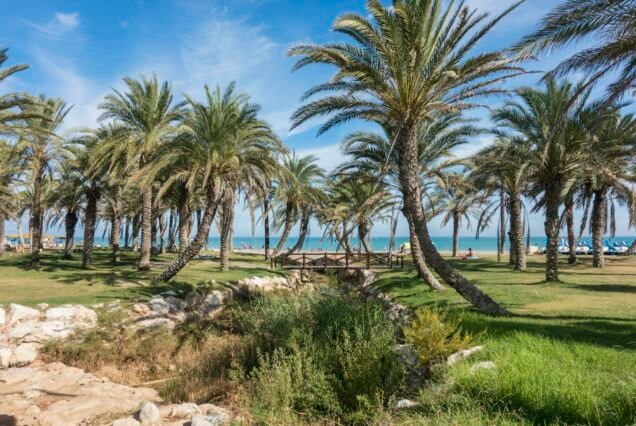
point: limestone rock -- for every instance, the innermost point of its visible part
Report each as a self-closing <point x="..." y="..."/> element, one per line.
<point x="77" y="315"/>
<point x="484" y="365"/>
<point x="126" y="422"/>
<point x="3" y="317"/>
<point x="158" y="305"/>
<point x="140" y="309"/>
<point x="5" y="356"/>
<point x="458" y="356"/>
<point x="185" y="410"/>
<point x="149" y="414"/>
<point x="24" y="354"/>
<point x="403" y="404"/>
<point x="209" y="420"/>
<point x="19" y="313"/>
<point x="147" y="324"/>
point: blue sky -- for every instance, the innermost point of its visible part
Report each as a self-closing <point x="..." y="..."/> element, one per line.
<point x="79" y="50"/>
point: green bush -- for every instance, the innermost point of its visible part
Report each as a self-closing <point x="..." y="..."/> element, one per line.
<point x="434" y="335"/>
<point x="321" y="357"/>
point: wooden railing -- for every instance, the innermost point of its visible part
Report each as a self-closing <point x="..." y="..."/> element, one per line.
<point x="333" y="260"/>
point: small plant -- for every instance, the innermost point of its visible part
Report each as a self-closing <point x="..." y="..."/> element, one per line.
<point x="434" y="335"/>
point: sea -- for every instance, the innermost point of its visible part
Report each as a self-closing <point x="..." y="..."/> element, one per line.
<point x="380" y="243"/>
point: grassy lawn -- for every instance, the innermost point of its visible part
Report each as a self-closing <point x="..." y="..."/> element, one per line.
<point x="567" y="354"/>
<point x="61" y="281"/>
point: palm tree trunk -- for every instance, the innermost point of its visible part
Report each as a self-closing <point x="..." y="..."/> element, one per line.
<point x="114" y="237"/>
<point x="266" y="226"/>
<point x="193" y="249"/>
<point x="171" y="231"/>
<point x="455" y="234"/>
<point x="393" y="229"/>
<point x="146" y="229"/>
<point x="632" y="248"/>
<point x="92" y="195"/>
<point x="70" y="222"/>
<point x="162" y="233"/>
<point x="127" y="233"/>
<point x="227" y="220"/>
<point x="363" y="234"/>
<point x="517" y="245"/>
<point x="409" y="169"/>
<point x="418" y="259"/>
<point x="136" y="227"/>
<point x="552" y="201"/>
<point x="184" y="227"/>
<point x="2" y="233"/>
<point x="599" y="220"/>
<point x="569" y="223"/>
<point x="302" y="234"/>
<point x="289" y="223"/>
<point x="502" y="222"/>
<point x="153" y="233"/>
<point x="36" y="219"/>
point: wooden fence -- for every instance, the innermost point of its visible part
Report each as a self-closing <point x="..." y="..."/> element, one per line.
<point x="333" y="260"/>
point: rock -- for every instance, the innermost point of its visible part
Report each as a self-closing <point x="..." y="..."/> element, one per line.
<point x="149" y="414"/>
<point x="19" y="313"/>
<point x="24" y="354"/>
<point x="175" y="304"/>
<point x="62" y="399"/>
<point x="5" y="357"/>
<point x="169" y="293"/>
<point x="210" y="420"/>
<point x="3" y="317"/>
<point x="42" y="306"/>
<point x="185" y="410"/>
<point x="484" y="365"/>
<point x="158" y="305"/>
<point x="404" y="403"/>
<point x="147" y="324"/>
<point x="458" y="356"/>
<point x="126" y="422"/>
<point x="140" y="309"/>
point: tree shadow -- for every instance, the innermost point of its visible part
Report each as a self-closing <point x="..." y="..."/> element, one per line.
<point x="611" y="288"/>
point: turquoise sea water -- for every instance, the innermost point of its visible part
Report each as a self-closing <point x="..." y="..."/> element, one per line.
<point x="381" y="243"/>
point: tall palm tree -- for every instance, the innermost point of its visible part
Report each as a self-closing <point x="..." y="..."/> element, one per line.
<point x="610" y="23"/>
<point x="374" y="154"/>
<point x="504" y="162"/>
<point x="610" y="151"/>
<point x="147" y="116"/>
<point x="406" y="65"/>
<point x="548" y="119"/>
<point x="41" y="149"/>
<point x="297" y="189"/>
<point x="459" y="202"/>
<point x="224" y="138"/>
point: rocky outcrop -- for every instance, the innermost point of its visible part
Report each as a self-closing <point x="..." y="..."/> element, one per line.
<point x="23" y="330"/>
<point x="58" y="395"/>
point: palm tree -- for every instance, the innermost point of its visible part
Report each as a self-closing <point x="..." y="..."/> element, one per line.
<point x="297" y="189"/>
<point x="67" y="198"/>
<point x="8" y="173"/>
<point x="373" y="154"/>
<point x="548" y="119"/>
<point x="459" y="202"/>
<point x="608" y="22"/>
<point x="610" y="152"/>
<point x="224" y="139"/>
<point x="407" y="65"/>
<point x="503" y="164"/>
<point x="147" y="116"/>
<point x="40" y="149"/>
<point x="13" y="105"/>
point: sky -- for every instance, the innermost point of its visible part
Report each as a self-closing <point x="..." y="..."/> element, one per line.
<point x="81" y="50"/>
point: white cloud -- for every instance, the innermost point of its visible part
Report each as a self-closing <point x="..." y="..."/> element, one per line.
<point x="472" y="147"/>
<point x="329" y="156"/>
<point x="77" y="90"/>
<point x="225" y="50"/>
<point x="59" y="24"/>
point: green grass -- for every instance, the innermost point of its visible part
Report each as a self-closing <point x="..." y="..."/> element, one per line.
<point x="566" y="354"/>
<point x="60" y="281"/>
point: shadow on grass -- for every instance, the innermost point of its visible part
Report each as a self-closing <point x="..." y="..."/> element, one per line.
<point x="612" y="288"/>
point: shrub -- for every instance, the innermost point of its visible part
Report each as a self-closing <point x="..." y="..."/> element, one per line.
<point x="434" y="335"/>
